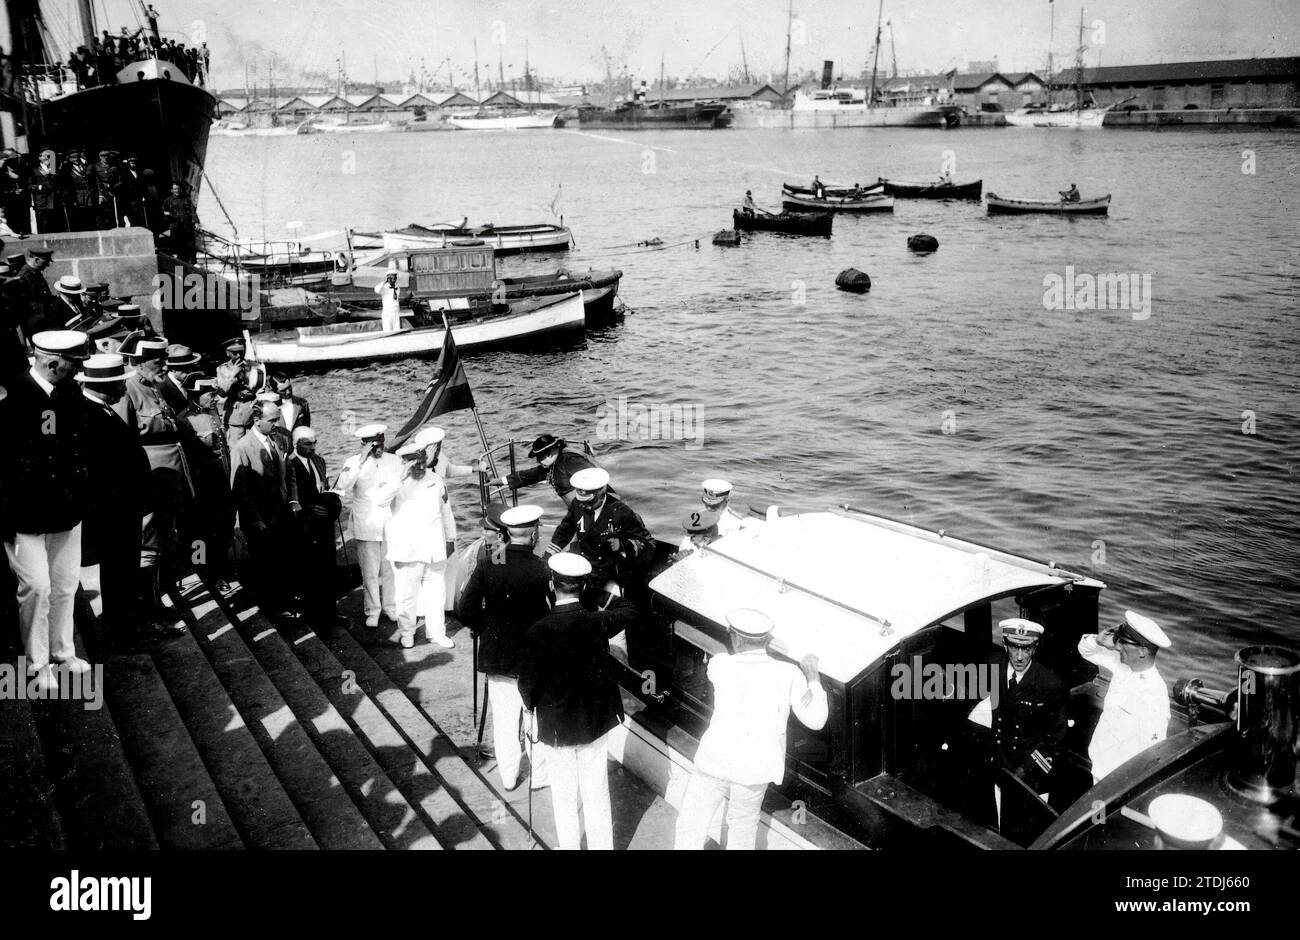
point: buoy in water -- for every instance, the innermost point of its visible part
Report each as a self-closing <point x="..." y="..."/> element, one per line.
<point x="923" y="243"/>
<point x="851" y="279"/>
<point x="727" y="236"/>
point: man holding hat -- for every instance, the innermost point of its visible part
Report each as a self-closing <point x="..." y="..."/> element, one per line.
<point x="566" y="678"/>
<point x="555" y="465"/>
<point x="605" y="531"/>
<point x="500" y="602"/>
<point x="743" y="749"/>
<point x="1029" y="721"/>
<point x="1135" y="714"/>
<point x="44" y="491"/>
<point x="315" y="510"/>
<point x="420" y="537"/>
<point x="371" y="479"/>
<point x="119" y="469"/>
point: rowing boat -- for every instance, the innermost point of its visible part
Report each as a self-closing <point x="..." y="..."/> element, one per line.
<point x="367" y="341"/>
<point x="871" y="202"/>
<point x="1098" y="206"/>
<point x="788" y="223"/>
<point x="933" y="190"/>
<point x="836" y="190"/>
<point x="504" y="239"/>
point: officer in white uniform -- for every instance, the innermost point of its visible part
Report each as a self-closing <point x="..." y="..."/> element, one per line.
<point x="420" y="536"/>
<point x="372" y="479"/>
<point x="431" y="439"/>
<point x="743" y="749"/>
<point x="1135" y="714"/>
<point x="389" y="297"/>
<point x="716" y="499"/>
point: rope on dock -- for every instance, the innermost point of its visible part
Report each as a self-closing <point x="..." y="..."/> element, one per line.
<point x="641" y="247"/>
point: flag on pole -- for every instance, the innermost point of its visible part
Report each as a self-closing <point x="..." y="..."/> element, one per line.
<point x="556" y="203"/>
<point x="448" y="390"/>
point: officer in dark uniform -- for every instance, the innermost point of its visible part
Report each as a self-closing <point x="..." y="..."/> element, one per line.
<point x="119" y="471"/>
<point x="555" y="465"/>
<point x="80" y="192"/>
<point x="182" y="221"/>
<point x="13" y="320"/>
<point x="44" y="190"/>
<point x="1029" y="722"/>
<point x="108" y="184"/>
<point x="499" y="603"/>
<point x="13" y="191"/>
<point x="606" y="532"/>
<point x="38" y="296"/>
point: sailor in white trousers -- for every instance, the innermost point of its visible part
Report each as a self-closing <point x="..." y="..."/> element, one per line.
<point x="390" y="299"/>
<point x="372" y="478"/>
<point x="421" y="535"/>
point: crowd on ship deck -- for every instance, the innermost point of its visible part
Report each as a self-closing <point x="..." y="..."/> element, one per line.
<point x="99" y="62"/>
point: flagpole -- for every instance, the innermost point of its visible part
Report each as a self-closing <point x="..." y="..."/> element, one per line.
<point x="482" y="435"/>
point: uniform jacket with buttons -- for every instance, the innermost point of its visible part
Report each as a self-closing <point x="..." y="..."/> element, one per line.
<point x="371" y="483"/>
<point x="592" y="531"/>
<point x="1029" y="717"/>
<point x="43" y="482"/>
<point x="422" y="522"/>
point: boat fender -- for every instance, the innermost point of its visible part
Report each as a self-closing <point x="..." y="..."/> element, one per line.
<point x="923" y="243"/>
<point x="853" y="280"/>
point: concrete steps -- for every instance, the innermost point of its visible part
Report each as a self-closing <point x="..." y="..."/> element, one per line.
<point x="397" y="824"/>
<point x="28" y="819"/>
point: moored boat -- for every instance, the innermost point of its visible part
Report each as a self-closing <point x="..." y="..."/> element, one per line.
<point x="833" y="189"/>
<point x="638" y="116"/>
<point x="936" y="190"/>
<point x="523" y="322"/>
<point x="909" y="655"/>
<point x="870" y="202"/>
<point x="504" y="239"/>
<point x="1099" y="205"/>
<point x="503" y="121"/>
<point x="788" y="223"/>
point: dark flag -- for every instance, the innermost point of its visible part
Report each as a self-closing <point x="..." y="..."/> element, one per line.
<point x="448" y="390"/>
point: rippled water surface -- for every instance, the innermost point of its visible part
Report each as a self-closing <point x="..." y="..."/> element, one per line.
<point x="1109" y="444"/>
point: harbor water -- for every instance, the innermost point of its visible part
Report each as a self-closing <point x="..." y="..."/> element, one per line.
<point x="1154" y="447"/>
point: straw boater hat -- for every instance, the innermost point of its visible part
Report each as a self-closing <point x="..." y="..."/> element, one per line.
<point x="70" y="285"/>
<point x="103" y="368"/>
<point x="179" y="356"/>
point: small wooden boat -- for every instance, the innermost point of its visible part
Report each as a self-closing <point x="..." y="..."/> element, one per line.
<point x="870" y="202"/>
<point x="936" y="190"/>
<point x="502" y="121"/>
<point x="789" y="223"/>
<point x="367" y="341"/>
<point x="503" y="239"/>
<point x="1098" y="206"/>
<point x="831" y="190"/>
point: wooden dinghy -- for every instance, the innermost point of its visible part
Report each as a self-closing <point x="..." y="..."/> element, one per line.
<point x="1097" y="206"/>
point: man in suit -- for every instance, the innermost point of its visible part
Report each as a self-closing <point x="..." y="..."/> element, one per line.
<point x="1029" y="721"/>
<point x="315" y="510"/>
<point x="294" y="410"/>
<point x="44" y="491"/>
<point x="500" y="602"/>
<point x="566" y="678"/>
<point x="180" y="361"/>
<point x="119" y="471"/>
<point x="555" y="465"/>
<point x="258" y="485"/>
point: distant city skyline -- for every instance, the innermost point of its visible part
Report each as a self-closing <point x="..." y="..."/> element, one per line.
<point x="390" y="40"/>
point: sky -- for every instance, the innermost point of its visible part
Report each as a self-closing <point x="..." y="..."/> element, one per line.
<point x="564" y="38"/>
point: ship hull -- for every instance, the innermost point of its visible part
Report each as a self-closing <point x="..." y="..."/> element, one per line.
<point x="701" y="117"/>
<point x="163" y="123"/>
<point x="805" y="119"/>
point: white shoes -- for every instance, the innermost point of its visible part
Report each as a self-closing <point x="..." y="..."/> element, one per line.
<point x="46" y="680"/>
<point x="75" y="664"/>
<point x="445" y="642"/>
<point x="372" y="621"/>
<point x="407" y="642"/>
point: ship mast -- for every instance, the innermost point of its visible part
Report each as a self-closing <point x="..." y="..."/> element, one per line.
<point x="87" y="17"/>
<point x="661" y="80"/>
<point x="743" y="60"/>
<point x="1051" y="38"/>
<point x="478" y="96"/>
<point x="1078" y="67"/>
<point x="789" y="28"/>
<point x="875" y="59"/>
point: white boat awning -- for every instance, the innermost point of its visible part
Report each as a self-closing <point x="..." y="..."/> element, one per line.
<point x="832" y="582"/>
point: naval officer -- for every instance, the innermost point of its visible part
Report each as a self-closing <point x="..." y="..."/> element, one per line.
<point x="420" y="536"/>
<point x="390" y="299"/>
<point x="605" y="531"/>
<point x="701" y="528"/>
<point x="44" y="491"/>
<point x="1029" y="721"/>
<point x="566" y="679"/>
<point x="1135" y="714"/>
<point x="743" y="749"/>
<point x="371" y="478"/>
<point x="500" y="602"/>
<point x="716" y="497"/>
